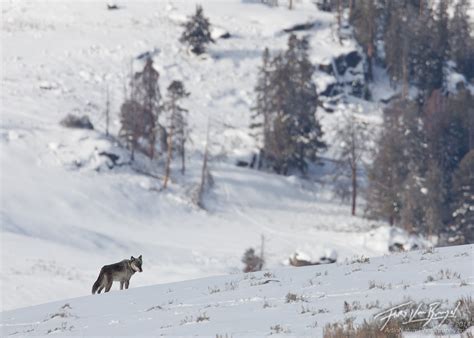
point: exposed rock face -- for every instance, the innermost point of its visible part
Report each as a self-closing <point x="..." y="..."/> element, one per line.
<point x="349" y="72"/>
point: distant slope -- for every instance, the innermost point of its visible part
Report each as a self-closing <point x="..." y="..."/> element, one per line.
<point x="63" y="214"/>
<point x="299" y="300"/>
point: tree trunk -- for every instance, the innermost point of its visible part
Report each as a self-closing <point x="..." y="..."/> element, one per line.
<point x="370" y="52"/>
<point x="132" y="155"/>
<point x="405" y="78"/>
<point x="168" y="159"/>
<point x="471" y="131"/>
<point x="152" y="143"/>
<point x="183" y="156"/>
<point x="339" y="20"/>
<point x="354" y="188"/>
<point x="204" y="170"/>
<point x="107" y="113"/>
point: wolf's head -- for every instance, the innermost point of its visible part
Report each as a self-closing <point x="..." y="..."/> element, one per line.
<point x="136" y="263"/>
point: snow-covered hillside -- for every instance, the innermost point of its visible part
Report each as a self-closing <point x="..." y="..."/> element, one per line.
<point x="62" y="218"/>
<point x="296" y="302"/>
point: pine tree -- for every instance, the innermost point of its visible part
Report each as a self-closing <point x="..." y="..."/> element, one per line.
<point x="461" y="39"/>
<point x="448" y="132"/>
<point x="364" y="19"/>
<point x="145" y="91"/>
<point x="412" y="216"/>
<point x="397" y="42"/>
<point x="134" y="121"/>
<point x="286" y="108"/>
<point x="197" y="32"/>
<point x="302" y="103"/>
<point x="178" y="127"/>
<point x="436" y="196"/>
<point x="463" y="205"/>
<point x="388" y="171"/>
<point x="423" y="198"/>
<point x="278" y="148"/>
<point x="262" y="109"/>
<point x="429" y="48"/>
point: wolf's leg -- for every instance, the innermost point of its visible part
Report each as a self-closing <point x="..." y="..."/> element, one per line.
<point x="126" y="284"/>
<point x="121" y="285"/>
<point x="100" y="288"/>
<point x="108" y="284"/>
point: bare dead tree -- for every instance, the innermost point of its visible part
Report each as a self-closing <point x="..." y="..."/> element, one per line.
<point x="168" y="157"/>
<point x="353" y="138"/>
<point x="339" y="19"/>
<point x="107" y="111"/>
<point x="204" y="170"/>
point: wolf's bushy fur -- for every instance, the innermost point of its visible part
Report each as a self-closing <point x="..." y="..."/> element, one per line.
<point x="121" y="272"/>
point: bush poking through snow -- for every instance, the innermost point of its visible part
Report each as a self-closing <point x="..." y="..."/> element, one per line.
<point x="203" y="317"/>
<point x="429" y="250"/>
<point x="465" y="319"/>
<point x="373" y="305"/>
<point x="215" y="289"/>
<point x="354" y="306"/>
<point x="278" y="329"/>
<point x="78" y="122"/>
<point x="186" y="320"/>
<point x="361" y="260"/>
<point x="293" y="297"/>
<point x="374" y="285"/>
<point x="443" y="274"/>
<point x="366" y="329"/>
<point x="252" y="261"/>
<point x="268" y="274"/>
<point x="266" y="304"/>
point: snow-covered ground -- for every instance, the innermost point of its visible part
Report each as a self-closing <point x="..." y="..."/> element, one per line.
<point x="62" y="219"/>
<point x="290" y="301"/>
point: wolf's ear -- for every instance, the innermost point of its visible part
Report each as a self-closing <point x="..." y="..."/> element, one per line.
<point x="132" y="259"/>
<point x="140" y="257"/>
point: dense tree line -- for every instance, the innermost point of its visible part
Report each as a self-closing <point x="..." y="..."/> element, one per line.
<point x="423" y="173"/>
<point x="418" y="38"/>
<point x="285" y="118"/>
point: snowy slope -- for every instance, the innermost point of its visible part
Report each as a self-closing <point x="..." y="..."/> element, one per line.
<point x="255" y="304"/>
<point x="62" y="219"/>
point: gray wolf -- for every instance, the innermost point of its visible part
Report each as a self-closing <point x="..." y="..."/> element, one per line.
<point x="120" y="272"/>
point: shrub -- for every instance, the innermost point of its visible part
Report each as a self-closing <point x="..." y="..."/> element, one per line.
<point x="252" y="261"/>
<point x="79" y="122"/>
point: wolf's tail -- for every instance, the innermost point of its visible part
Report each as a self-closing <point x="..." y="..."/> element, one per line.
<point x="97" y="282"/>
